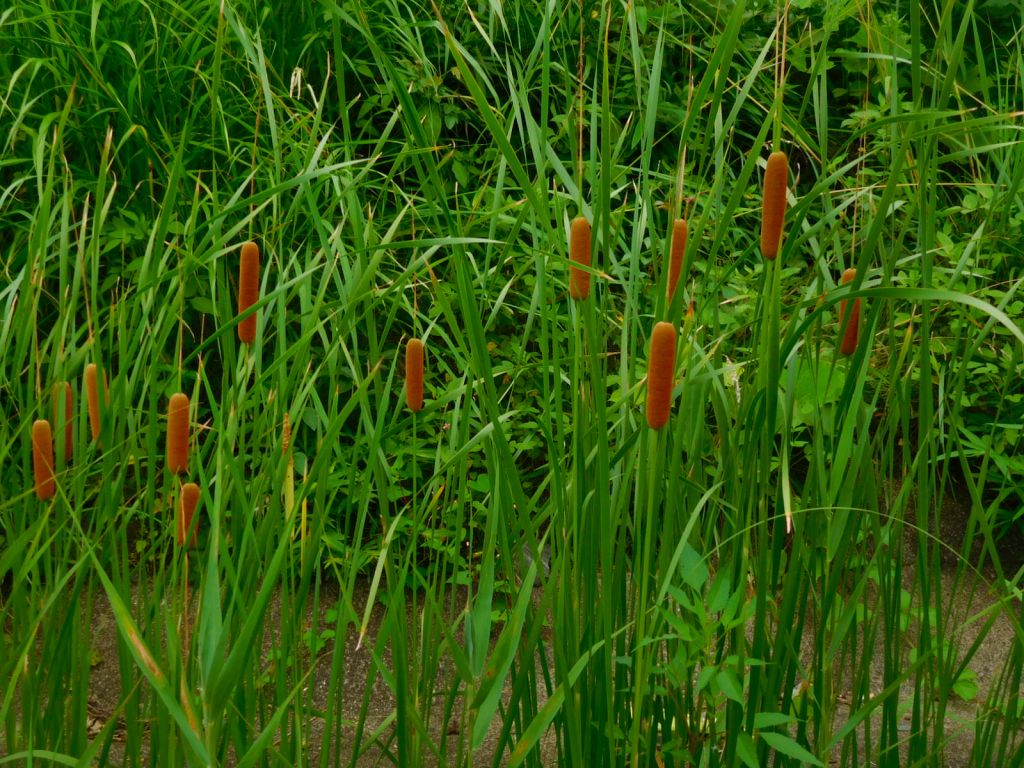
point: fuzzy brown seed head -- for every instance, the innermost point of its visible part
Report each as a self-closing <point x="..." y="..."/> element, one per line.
<point x="773" y="212"/>
<point x="62" y="390"/>
<point x="92" y="396"/>
<point x="660" y="374"/>
<point x="248" y="290"/>
<point x="851" y="333"/>
<point x="186" y="513"/>
<point x="680" y="233"/>
<point x="414" y="375"/>
<point x="42" y="459"/>
<point x="177" y="433"/>
<point x="579" y="254"/>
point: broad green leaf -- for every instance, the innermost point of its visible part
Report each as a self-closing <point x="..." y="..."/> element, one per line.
<point x="786" y="746"/>
<point x="746" y="751"/>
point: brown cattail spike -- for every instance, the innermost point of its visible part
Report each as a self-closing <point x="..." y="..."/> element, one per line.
<point x="852" y="326"/>
<point x="177" y="433"/>
<point x="773" y="213"/>
<point x="248" y="290"/>
<point x="660" y="373"/>
<point x="186" y="514"/>
<point x="579" y="256"/>
<point x="42" y="460"/>
<point x="414" y="375"/>
<point x="680" y="232"/>
<point x="92" y="396"/>
<point x="64" y="418"/>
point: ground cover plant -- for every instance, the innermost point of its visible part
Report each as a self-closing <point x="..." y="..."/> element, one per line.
<point x="521" y="383"/>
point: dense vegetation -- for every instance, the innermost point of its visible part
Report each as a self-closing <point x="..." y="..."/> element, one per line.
<point x="538" y="570"/>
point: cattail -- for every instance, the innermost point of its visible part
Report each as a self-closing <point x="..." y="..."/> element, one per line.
<point x="414" y="375"/>
<point x="186" y="513"/>
<point x="680" y="232"/>
<point x="248" y="290"/>
<point x="579" y="253"/>
<point x="42" y="459"/>
<point x="177" y="433"/>
<point x="773" y="213"/>
<point x="92" y="396"/>
<point x="850" y="335"/>
<point x="660" y="372"/>
<point x="64" y="389"/>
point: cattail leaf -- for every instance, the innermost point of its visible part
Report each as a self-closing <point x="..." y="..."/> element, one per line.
<point x="224" y="678"/>
<point x="677" y="249"/>
<point x="492" y="681"/>
<point x="62" y="419"/>
<point x="538" y="726"/>
<point x="265" y="738"/>
<point x="211" y="617"/>
<point x="149" y="666"/>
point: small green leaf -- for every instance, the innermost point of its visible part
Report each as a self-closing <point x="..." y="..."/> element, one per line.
<point x="746" y="752"/>
<point x="203" y="304"/>
<point x="729" y="683"/>
<point x="966" y="686"/>
<point x="692" y="567"/>
<point x="718" y="595"/>
<point x="772" y="719"/>
<point x="704" y="678"/>
<point x="786" y="746"/>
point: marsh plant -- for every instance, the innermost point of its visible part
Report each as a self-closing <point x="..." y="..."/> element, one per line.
<point x="580" y="383"/>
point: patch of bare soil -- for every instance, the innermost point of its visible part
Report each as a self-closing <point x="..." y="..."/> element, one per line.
<point x="981" y="626"/>
<point x="366" y="698"/>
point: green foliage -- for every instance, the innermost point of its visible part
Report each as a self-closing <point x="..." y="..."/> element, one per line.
<point x="528" y="571"/>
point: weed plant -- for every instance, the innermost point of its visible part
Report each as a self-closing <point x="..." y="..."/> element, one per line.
<point x="650" y="505"/>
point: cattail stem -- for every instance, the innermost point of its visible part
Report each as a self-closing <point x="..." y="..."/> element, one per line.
<point x="289" y="470"/>
<point x="680" y="234"/>
<point x="186" y="513"/>
<point x="414" y="375"/>
<point x="63" y="390"/>
<point x="177" y="433"/>
<point x="773" y="212"/>
<point x="579" y="258"/>
<point x="248" y="290"/>
<point x="850" y="328"/>
<point x="660" y="374"/>
<point x="42" y="460"/>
